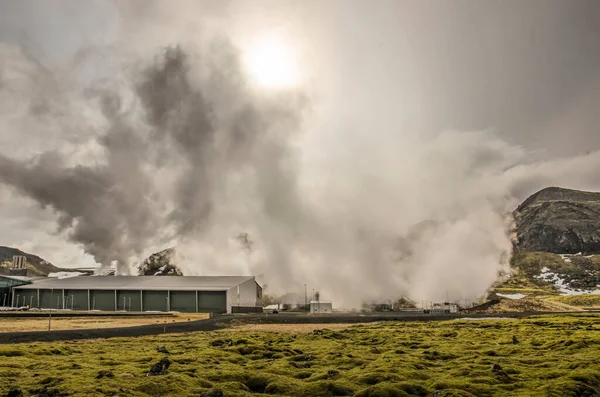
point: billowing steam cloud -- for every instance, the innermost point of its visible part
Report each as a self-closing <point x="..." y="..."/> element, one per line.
<point x="177" y="149"/>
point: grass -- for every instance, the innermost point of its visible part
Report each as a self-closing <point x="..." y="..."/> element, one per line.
<point x="578" y="300"/>
<point x="555" y="356"/>
<point x="8" y="324"/>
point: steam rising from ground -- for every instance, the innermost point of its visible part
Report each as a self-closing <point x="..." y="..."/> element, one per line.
<point x="177" y="148"/>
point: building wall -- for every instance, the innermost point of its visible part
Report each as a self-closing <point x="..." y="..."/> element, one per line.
<point x="129" y="301"/>
<point x="183" y="301"/>
<point x="244" y="294"/>
<point x="49" y="299"/>
<point x="320" y="307"/>
<point x="212" y="302"/>
<point x="155" y="301"/>
<point x="25" y="297"/>
<point x="102" y="300"/>
<point x="76" y="299"/>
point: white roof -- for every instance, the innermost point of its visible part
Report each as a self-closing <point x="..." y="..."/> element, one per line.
<point x="181" y="283"/>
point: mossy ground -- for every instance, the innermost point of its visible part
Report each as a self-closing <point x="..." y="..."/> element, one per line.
<point x="587" y="300"/>
<point x="555" y="356"/>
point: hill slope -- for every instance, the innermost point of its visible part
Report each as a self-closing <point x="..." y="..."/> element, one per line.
<point x="559" y="220"/>
<point x="35" y="265"/>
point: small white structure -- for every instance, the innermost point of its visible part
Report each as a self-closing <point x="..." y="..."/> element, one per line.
<point x="319" y="307"/>
<point x="271" y="308"/>
<point x="444" y="307"/>
<point x="61" y="275"/>
<point x="18" y="262"/>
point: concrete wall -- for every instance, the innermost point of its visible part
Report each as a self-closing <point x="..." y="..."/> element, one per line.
<point x="245" y="294"/>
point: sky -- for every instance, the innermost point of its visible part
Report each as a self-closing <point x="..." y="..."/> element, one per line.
<point x="522" y="79"/>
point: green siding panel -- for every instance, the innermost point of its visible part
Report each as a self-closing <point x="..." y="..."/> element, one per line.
<point x="183" y="301"/>
<point x="102" y="300"/>
<point x="212" y="302"/>
<point x="155" y="301"/>
<point x="51" y="299"/>
<point x="76" y="299"/>
<point x="26" y="297"/>
<point x="129" y="301"/>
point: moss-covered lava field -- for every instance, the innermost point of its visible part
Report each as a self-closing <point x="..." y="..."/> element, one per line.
<point x="554" y="355"/>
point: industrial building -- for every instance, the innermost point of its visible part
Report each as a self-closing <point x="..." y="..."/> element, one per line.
<point x="443" y="307"/>
<point x="189" y="294"/>
<point x="320" y="307"/>
<point x="7" y="283"/>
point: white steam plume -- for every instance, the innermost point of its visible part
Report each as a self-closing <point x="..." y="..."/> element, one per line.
<point x="173" y="146"/>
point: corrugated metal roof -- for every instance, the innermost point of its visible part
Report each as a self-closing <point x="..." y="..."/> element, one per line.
<point x="18" y="278"/>
<point x="180" y="283"/>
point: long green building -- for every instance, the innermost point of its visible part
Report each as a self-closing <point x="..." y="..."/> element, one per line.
<point x="188" y="294"/>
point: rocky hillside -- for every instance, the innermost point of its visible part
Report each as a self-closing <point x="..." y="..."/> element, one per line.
<point x="36" y="266"/>
<point x="160" y="264"/>
<point x="561" y="221"/>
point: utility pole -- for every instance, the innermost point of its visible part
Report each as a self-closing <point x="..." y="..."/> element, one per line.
<point x="305" y="300"/>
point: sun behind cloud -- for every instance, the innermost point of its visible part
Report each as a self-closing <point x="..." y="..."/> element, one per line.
<point x="272" y="63"/>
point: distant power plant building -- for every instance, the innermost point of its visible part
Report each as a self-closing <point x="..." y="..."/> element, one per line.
<point x="18" y="262"/>
<point x="218" y="294"/>
<point x="319" y="307"/>
<point x="444" y="307"/>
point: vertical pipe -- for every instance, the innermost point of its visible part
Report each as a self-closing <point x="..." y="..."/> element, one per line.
<point x="168" y="301"/>
<point x="39" y="305"/>
<point x="305" y="300"/>
<point x="63" y="298"/>
<point x="116" y="304"/>
<point x="196" y="301"/>
<point x="50" y="312"/>
<point x="141" y="301"/>
<point x="124" y="303"/>
<point x="88" y="301"/>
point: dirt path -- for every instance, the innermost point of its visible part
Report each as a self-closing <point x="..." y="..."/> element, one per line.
<point x="82" y="323"/>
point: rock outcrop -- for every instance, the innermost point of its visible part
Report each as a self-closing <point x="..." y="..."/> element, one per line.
<point x="560" y="221"/>
<point x="160" y="264"/>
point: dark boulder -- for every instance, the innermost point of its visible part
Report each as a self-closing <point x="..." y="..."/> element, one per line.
<point x="160" y="368"/>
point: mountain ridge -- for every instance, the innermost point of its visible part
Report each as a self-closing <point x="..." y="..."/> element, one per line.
<point x="35" y="265"/>
<point x="560" y="221"/>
